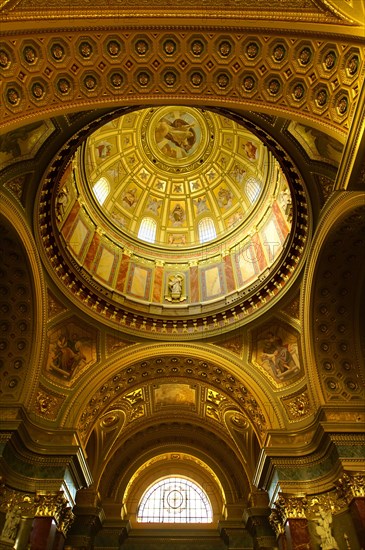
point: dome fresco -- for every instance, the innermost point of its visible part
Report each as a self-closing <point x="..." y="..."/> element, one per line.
<point x="181" y="169"/>
<point x="177" y="212"/>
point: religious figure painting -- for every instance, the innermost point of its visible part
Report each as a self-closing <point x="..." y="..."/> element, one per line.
<point x="317" y="144"/>
<point x="71" y="349"/>
<point x="174" y="394"/>
<point x="24" y="143"/>
<point x="177" y="134"/>
<point x="275" y="349"/>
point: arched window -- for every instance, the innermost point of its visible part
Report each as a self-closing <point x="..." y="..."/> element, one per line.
<point x="101" y="189"/>
<point x="253" y="189"/>
<point x="147" y="230"/>
<point x="206" y="230"/>
<point x="175" y="500"/>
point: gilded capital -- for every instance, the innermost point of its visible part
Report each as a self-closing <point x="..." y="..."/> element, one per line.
<point x="276" y="522"/>
<point x="350" y="486"/>
<point x="54" y="505"/>
<point x="291" y="507"/>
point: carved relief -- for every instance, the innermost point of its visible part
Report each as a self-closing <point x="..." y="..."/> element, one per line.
<point x="298" y="406"/>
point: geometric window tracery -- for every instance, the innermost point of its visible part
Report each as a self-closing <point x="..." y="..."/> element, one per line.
<point x="175" y="500"/>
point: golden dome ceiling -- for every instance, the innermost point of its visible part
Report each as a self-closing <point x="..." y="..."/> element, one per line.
<point x="173" y="221"/>
<point x="180" y="170"/>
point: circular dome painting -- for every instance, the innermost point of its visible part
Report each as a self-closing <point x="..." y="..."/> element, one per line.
<point x="178" y="176"/>
<point x="177" y="136"/>
<point x="174" y="213"/>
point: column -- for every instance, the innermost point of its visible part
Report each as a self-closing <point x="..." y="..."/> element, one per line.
<point x="351" y="487"/>
<point x="291" y="514"/>
<point x="52" y="519"/>
<point x="89" y="517"/>
<point x="276" y="521"/>
<point x="257" y="521"/>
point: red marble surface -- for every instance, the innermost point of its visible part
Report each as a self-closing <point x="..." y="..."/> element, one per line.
<point x="194" y="284"/>
<point x="228" y="268"/>
<point x="91" y="253"/>
<point x="67" y="226"/>
<point x="123" y="269"/>
<point x="281" y="221"/>
<point x="259" y="251"/>
<point x="42" y="534"/>
<point x="297" y="534"/>
<point x="157" y="285"/>
<point x="357" y="510"/>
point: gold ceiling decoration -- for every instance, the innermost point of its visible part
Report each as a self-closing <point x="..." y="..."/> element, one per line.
<point x="178" y="168"/>
<point x="181" y="285"/>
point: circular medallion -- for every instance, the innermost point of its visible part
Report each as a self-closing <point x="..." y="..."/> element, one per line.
<point x="177" y="137"/>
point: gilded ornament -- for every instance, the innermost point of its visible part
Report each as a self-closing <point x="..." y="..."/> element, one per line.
<point x="332" y="384"/>
<point x="30" y="55"/>
<point x="169" y="47"/>
<point x="113" y="48"/>
<point x="321" y="97"/>
<point x="299" y="406"/>
<point x="64" y="86"/>
<point x="90" y="82"/>
<point x="351" y="486"/>
<point x="305" y="56"/>
<point x="291" y="507"/>
<point x="4" y="59"/>
<point x="342" y="105"/>
<point x="196" y="79"/>
<point x="143" y="79"/>
<point x="330" y="60"/>
<point x="141" y="47"/>
<point x="170" y="78"/>
<point x="197" y="47"/>
<point x="13" y="96"/>
<point x="85" y="49"/>
<point x="57" y="52"/>
<point x="116" y="80"/>
<point x="223" y="80"/>
<point x="224" y="48"/>
<point x="38" y="90"/>
<point x="252" y="50"/>
<point x="298" y="92"/>
<point x="352" y="385"/>
<point x="248" y="83"/>
<point x="279" y="52"/>
<point x="274" y="86"/>
<point x="276" y="522"/>
<point x="352" y="65"/>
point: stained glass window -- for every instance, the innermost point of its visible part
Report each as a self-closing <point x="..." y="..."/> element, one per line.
<point x="175" y="500"/>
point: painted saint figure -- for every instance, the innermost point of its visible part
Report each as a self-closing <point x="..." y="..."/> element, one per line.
<point x="175" y="138"/>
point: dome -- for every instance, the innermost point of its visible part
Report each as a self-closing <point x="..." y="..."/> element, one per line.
<point x="177" y="177"/>
<point x="175" y="212"/>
